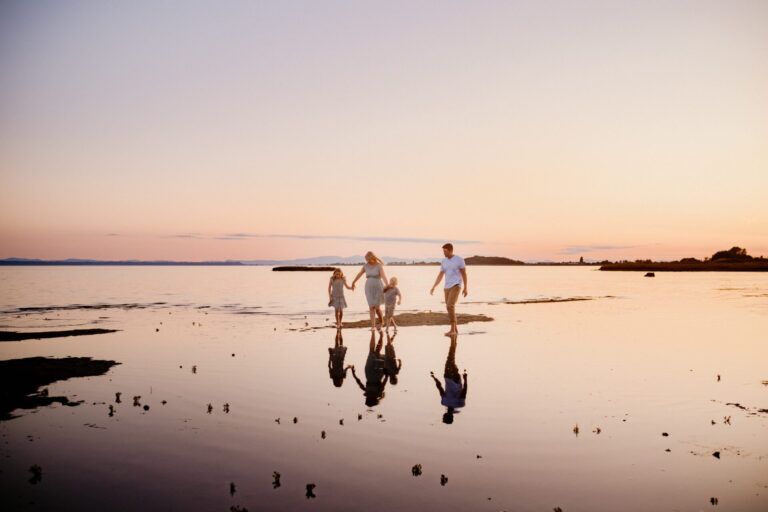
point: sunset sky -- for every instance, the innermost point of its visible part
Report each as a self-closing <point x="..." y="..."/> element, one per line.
<point x="542" y="130"/>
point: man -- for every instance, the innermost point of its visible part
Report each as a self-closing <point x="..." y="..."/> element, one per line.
<point x="454" y="270"/>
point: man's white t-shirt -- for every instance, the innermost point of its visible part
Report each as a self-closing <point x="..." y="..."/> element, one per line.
<point x="451" y="267"/>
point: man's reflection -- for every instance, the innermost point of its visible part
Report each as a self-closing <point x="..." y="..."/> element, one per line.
<point x="392" y="364"/>
<point x="375" y="377"/>
<point x="454" y="395"/>
<point x="336" y="355"/>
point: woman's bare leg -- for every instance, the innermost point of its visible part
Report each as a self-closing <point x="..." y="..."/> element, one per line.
<point x="373" y="318"/>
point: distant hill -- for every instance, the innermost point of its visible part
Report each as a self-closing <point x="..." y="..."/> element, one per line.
<point x="734" y="259"/>
<point x="491" y="260"/>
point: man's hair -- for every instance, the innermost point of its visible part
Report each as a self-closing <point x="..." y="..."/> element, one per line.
<point x="448" y="246"/>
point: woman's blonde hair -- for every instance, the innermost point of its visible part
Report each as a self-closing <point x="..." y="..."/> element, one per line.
<point x="370" y="256"/>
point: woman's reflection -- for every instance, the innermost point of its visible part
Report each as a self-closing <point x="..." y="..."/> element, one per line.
<point x="336" y="354"/>
<point x="454" y="395"/>
<point x="375" y="378"/>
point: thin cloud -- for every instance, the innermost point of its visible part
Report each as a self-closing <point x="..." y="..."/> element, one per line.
<point x="412" y="240"/>
<point x="580" y="249"/>
<point x="185" y="236"/>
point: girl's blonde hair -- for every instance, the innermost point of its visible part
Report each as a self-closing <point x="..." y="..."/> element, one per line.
<point x="337" y="274"/>
<point x="392" y="284"/>
<point x="370" y="256"/>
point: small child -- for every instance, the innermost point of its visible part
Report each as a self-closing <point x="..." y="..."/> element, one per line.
<point x="392" y="364"/>
<point x="391" y="294"/>
<point x="336" y="294"/>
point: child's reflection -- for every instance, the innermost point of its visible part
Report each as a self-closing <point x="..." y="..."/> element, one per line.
<point x="375" y="378"/>
<point x="392" y="364"/>
<point x="336" y="360"/>
<point x="454" y="395"/>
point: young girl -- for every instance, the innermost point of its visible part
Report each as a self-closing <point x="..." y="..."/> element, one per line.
<point x="336" y="294"/>
<point x="391" y="294"/>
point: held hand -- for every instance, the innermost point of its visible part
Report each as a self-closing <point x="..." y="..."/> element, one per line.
<point x="432" y="291"/>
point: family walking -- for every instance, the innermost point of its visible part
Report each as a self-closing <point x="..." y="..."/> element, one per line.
<point x="380" y="290"/>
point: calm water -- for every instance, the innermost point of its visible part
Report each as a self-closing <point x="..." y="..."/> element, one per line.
<point x="639" y="360"/>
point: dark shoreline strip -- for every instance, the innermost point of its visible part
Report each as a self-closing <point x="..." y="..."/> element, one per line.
<point x="21" y="379"/>
<point x="19" y="336"/>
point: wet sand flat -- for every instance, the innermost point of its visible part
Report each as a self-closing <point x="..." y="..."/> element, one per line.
<point x="592" y="405"/>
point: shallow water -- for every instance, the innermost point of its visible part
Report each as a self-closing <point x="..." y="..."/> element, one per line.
<point x="640" y="359"/>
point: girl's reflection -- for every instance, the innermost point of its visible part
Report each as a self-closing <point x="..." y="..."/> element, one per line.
<point x="375" y="377"/>
<point x="392" y="364"/>
<point x="454" y="395"/>
<point x="336" y="360"/>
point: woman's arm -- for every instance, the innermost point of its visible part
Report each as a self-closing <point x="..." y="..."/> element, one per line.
<point x="383" y="275"/>
<point x="399" y="297"/>
<point x="359" y="383"/>
<point x="346" y="285"/>
<point x="362" y="271"/>
<point x="464" y="391"/>
<point x="330" y="284"/>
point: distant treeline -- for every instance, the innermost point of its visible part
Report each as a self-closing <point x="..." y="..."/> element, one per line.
<point x="734" y="259"/>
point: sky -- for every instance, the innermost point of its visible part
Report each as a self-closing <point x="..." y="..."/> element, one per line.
<point x="543" y="130"/>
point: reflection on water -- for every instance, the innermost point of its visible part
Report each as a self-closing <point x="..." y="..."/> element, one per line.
<point x="625" y="370"/>
<point x="375" y="377"/>
<point x="454" y="395"/>
<point x="336" y="354"/>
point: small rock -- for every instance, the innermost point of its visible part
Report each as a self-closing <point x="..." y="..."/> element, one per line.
<point x="322" y="434"/>
<point x="117" y="397"/>
<point x="210" y="408"/>
<point x="37" y="474"/>
<point x="557" y="509"/>
<point x="164" y="402"/>
<point x="478" y="456"/>
<point x="277" y="420"/>
<point x="667" y="450"/>
<point x="232" y="489"/>
<point x="718" y="377"/>
<point x="226" y="408"/>
<point x="295" y="420"/>
<point x="136" y="401"/>
<point x="111" y="410"/>
<point x="597" y="430"/>
<point x="713" y="501"/>
<point x="416" y="470"/>
<point x="716" y="455"/>
<point x="146" y="407"/>
<point x="443" y="480"/>
<point x="665" y="434"/>
<point x="576" y="429"/>
<point x="359" y="416"/>
<point x="311" y="491"/>
<point x="275" y="479"/>
<point x="157" y="330"/>
<point x="341" y="422"/>
<point x="194" y="369"/>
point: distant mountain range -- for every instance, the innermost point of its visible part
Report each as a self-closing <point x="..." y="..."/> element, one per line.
<point x="320" y="260"/>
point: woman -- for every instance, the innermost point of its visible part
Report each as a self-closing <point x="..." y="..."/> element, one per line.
<point x="375" y="281"/>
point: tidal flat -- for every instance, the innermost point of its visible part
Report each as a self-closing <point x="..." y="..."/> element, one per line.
<point x="227" y="396"/>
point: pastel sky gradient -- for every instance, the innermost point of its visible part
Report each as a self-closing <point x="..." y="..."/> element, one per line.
<point x="534" y="130"/>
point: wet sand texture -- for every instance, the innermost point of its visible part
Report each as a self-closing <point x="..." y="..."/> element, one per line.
<point x="19" y="336"/>
<point x="20" y="380"/>
<point x="423" y="318"/>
